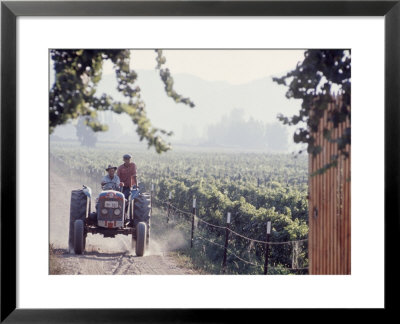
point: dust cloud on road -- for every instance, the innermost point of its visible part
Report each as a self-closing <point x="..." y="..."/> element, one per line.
<point x="102" y="255"/>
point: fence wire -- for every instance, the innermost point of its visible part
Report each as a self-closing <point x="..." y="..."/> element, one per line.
<point x="224" y="227"/>
<point x="175" y="211"/>
<point x="228" y="251"/>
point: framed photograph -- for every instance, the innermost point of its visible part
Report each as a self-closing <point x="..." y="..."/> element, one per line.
<point x="163" y="158"/>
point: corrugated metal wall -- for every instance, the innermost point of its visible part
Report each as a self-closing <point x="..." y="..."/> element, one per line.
<point x="329" y="245"/>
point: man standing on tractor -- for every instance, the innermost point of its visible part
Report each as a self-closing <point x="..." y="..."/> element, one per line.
<point x="127" y="174"/>
<point x="111" y="181"/>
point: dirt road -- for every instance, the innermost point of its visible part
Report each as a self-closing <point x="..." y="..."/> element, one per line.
<point x="102" y="255"/>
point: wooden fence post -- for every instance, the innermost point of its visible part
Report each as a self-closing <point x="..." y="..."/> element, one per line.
<point x="228" y="222"/>
<point x="267" y="247"/>
<point x="169" y="205"/>
<point x="193" y="216"/>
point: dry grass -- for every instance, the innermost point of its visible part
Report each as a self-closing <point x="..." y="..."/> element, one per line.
<point x="55" y="267"/>
<point x="184" y="261"/>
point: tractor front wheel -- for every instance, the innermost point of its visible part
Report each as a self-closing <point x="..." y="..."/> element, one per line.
<point x="140" y="238"/>
<point x="79" y="209"/>
<point x="79" y="237"/>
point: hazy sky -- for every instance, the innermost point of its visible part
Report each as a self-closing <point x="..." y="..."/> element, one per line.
<point x="233" y="66"/>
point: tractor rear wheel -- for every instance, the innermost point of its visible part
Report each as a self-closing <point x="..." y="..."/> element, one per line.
<point x="142" y="208"/>
<point x="140" y="238"/>
<point x="142" y="213"/>
<point x="79" y="209"/>
<point x="79" y="237"/>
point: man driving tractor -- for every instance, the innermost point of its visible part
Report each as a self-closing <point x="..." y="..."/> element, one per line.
<point x="111" y="181"/>
<point x="127" y="174"/>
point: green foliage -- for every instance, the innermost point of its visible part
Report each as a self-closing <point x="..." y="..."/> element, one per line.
<point x="73" y="94"/>
<point x="169" y="81"/>
<point x="313" y="81"/>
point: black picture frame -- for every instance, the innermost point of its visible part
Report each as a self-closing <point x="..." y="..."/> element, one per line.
<point x="11" y="10"/>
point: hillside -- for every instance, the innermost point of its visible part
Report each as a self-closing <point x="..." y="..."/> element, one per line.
<point x="261" y="100"/>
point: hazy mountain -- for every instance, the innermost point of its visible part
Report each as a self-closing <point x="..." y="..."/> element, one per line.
<point x="261" y="101"/>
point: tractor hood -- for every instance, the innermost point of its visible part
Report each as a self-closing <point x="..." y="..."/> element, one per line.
<point x="111" y="194"/>
<point x="111" y="209"/>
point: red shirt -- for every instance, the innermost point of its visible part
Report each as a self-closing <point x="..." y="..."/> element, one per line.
<point x="127" y="174"/>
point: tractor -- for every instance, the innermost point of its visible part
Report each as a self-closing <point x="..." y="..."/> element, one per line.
<point x="114" y="215"/>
